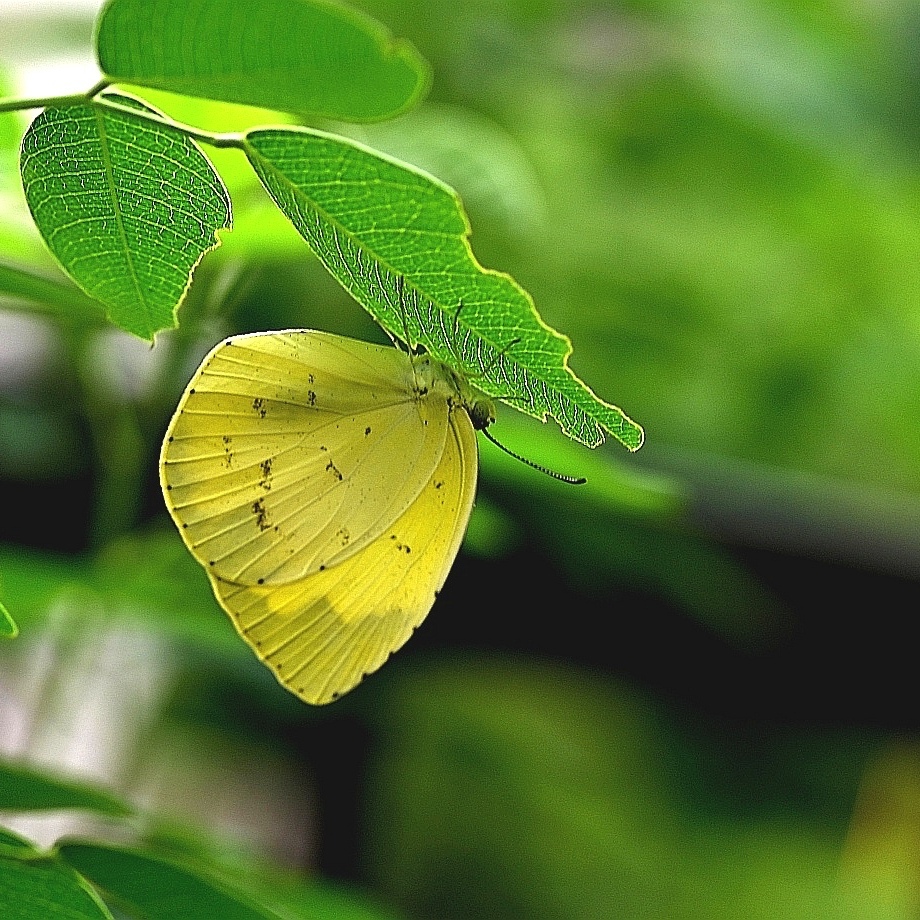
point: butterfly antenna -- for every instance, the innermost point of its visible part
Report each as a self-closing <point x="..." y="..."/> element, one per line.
<point x="571" y="480"/>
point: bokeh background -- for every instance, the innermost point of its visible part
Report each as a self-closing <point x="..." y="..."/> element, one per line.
<point x="687" y="689"/>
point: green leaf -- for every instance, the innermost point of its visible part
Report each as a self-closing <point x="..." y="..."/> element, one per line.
<point x="482" y="161"/>
<point x="43" y="889"/>
<point x="156" y="888"/>
<point x="26" y="789"/>
<point x="33" y="580"/>
<point x="63" y="300"/>
<point x="309" y="900"/>
<point x="8" y="627"/>
<point x="397" y="240"/>
<point x="311" y="57"/>
<point x="127" y="207"/>
<point x="13" y="845"/>
<point x="124" y="582"/>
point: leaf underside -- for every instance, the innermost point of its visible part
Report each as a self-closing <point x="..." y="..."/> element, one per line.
<point x="397" y="240"/>
<point x="126" y="206"/>
<point x="311" y="57"/>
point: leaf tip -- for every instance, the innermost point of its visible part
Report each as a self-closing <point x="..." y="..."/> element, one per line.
<point x="637" y="436"/>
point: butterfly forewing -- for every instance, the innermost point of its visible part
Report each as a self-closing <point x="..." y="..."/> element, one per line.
<point x="292" y="451"/>
<point x="323" y="633"/>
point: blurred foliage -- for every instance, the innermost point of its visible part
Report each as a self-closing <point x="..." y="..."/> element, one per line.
<point x="731" y="237"/>
<point x="591" y="786"/>
<point x="718" y="203"/>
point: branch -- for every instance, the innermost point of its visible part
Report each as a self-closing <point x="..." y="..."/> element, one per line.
<point x="19" y="105"/>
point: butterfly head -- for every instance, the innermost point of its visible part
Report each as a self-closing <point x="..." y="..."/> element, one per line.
<point x="481" y="410"/>
<point x="433" y="375"/>
<point x="479" y="407"/>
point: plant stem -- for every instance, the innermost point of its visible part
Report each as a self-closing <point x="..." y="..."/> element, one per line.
<point x="92" y="95"/>
<point x="18" y="105"/>
<point x="206" y="137"/>
<point x="118" y="442"/>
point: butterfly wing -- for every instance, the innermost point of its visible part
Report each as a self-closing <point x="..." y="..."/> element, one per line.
<point x="323" y="633"/>
<point x="291" y="451"/>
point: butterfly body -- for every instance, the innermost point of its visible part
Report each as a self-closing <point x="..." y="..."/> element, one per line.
<point x="325" y="485"/>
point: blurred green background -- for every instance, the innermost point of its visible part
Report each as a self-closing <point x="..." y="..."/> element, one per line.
<point x="685" y="690"/>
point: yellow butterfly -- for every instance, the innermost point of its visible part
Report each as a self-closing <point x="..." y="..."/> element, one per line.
<point x="325" y="484"/>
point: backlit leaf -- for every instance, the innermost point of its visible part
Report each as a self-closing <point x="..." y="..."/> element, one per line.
<point x="397" y="240"/>
<point x="311" y="57"/>
<point x="127" y="207"/>
<point x="12" y="844"/>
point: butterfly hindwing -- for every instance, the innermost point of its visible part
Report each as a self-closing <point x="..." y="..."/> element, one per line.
<point x="321" y="634"/>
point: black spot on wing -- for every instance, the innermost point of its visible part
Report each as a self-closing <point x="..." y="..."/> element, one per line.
<point x="400" y="547"/>
<point x="265" y="480"/>
<point x="261" y="515"/>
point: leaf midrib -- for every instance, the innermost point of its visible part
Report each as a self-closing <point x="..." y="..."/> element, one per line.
<point x="119" y="222"/>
